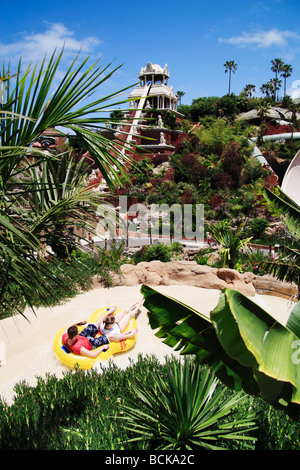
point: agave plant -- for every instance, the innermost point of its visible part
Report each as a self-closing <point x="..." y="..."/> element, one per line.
<point x="185" y="410"/>
<point x="242" y="343"/>
<point x="230" y="240"/>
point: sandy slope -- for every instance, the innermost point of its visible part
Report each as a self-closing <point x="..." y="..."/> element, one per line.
<point x="29" y="344"/>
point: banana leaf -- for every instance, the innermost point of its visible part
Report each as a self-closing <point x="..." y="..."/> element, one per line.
<point x="245" y="346"/>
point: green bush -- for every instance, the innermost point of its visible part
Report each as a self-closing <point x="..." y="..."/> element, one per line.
<point x="81" y="411"/>
<point x="159" y="252"/>
<point x="258" y="227"/>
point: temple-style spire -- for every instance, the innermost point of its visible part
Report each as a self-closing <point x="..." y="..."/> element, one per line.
<point x="154" y="79"/>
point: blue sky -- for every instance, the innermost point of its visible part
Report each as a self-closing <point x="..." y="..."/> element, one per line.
<point x="194" y="37"/>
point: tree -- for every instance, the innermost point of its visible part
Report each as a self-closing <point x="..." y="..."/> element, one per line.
<point x="262" y="109"/>
<point x="267" y="89"/>
<point x="277" y="65"/>
<point x="230" y="66"/>
<point x="29" y="108"/>
<point x="180" y="94"/>
<point x="275" y="85"/>
<point x="248" y="90"/>
<point x="294" y="109"/>
<point x="286" y="70"/>
<point x="287" y="266"/>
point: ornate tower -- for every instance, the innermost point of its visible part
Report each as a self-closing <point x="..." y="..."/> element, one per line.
<point x="154" y="89"/>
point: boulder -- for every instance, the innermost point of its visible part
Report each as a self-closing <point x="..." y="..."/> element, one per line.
<point x="269" y="285"/>
<point x="182" y="273"/>
<point x="190" y="273"/>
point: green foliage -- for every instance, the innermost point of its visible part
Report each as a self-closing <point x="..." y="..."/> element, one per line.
<point x="84" y="410"/>
<point x="41" y="196"/>
<point x="242" y="343"/>
<point x="159" y="252"/>
<point x="110" y="260"/>
<point x="287" y="266"/>
<point x="185" y="409"/>
<point x="77" y="412"/>
<point x="258" y="227"/>
<point x="227" y="106"/>
<point x="230" y="240"/>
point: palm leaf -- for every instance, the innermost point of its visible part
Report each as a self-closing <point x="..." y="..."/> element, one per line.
<point x="281" y="203"/>
<point x="29" y="98"/>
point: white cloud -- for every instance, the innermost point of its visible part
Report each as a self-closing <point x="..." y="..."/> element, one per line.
<point x="33" y="47"/>
<point x="262" y="39"/>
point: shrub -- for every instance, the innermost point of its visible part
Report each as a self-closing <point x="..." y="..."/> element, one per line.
<point x="223" y="180"/>
<point x="258" y="227"/>
<point x="81" y="412"/>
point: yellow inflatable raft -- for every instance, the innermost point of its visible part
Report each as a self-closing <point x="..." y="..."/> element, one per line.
<point x="73" y="360"/>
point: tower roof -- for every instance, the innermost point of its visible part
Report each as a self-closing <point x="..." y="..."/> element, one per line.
<point x="154" y="69"/>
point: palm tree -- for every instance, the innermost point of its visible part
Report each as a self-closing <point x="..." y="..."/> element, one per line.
<point x="248" y="90"/>
<point x="286" y="70"/>
<point x="30" y="108"/>
<point x="294" y="109"/>
<point x="230" y="66"/>
<point x="180" y="95"/>
<point x="275" y="85"/>
<point x="262" y="109"/>
<point x="267" y="89"/>
<point x="277" y="65"/>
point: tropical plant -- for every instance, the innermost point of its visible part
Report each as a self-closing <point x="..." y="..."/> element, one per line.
<point x="186" y="409"/>
<point x="287" y="71"/>
<point x="231" y="241"/>
<point x="248" y="90"/>
<point x="180" y="94"/>
<point x="277" y="65"/>
<point x="262" y="109"/>
<point x="287" y="266"/>
<point x="243" y="344"/>
<point x="230" y="66"/>
<point x="31" y="107"/>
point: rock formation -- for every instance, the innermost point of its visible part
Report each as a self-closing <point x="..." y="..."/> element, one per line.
<point x="155" y="273"/>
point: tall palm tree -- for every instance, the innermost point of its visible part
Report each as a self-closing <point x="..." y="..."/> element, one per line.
<point x="277" y="65"/>
<point x="180" y="95"/>
<point x="230" y="66"/>
<point x="286" y="70"/>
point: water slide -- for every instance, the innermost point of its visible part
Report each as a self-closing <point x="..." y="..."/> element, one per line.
<point x="137" y="116"/>
<point x="291" y="181"/>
